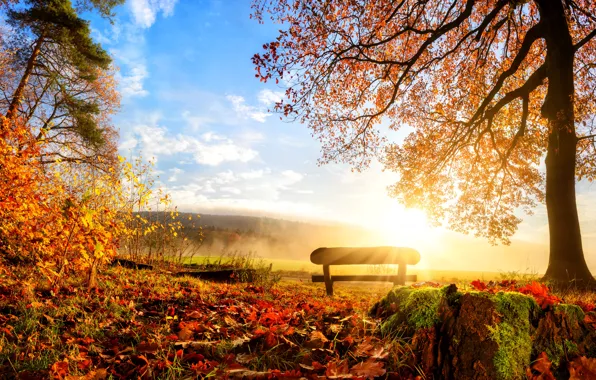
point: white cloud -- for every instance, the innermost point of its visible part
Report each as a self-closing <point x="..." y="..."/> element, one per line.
<point x="175" y="172"/>
<point x="291" y="141"/>
<point x="251" y="136"/>
<point x="128" y="144"/>
<point x="257" y="186"/>
<point x="292" y="177"/>
<point x="268" y="97"/>
<point x="133" y="71"/>
<point x="242" y="206"/>
<point x="144" y="12"/>
<point x="98" y="36"/>
<point x="231" y="190"/>
<point x="226" y="177"/>
<point x="156" y="141"/>
<point x="246" y="111"/>
<point x="254" y="174"/>
<point x="212" y="136"/>
<point x="196" y="122"/>
<point x="132" y="84"/>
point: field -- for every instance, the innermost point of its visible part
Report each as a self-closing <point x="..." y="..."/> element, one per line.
<point x="303" y="268"/>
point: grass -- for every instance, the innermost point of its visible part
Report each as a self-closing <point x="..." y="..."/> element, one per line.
<point x="137" y="322"/>
<point x="132" y="324"/>
<point x="303" y="268"/>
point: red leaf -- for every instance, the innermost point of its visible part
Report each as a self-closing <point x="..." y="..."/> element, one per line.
<point x="478" y="285"/>
<point x="582" y="368"/>
<point x="84" y="365"/>
<point x="541" y="366"/>
<point x="317" y="366"/>
<point x="193" y="358"/>
<point x="270" y="340"/>
<point x="59" y="369"/>
<point x="590" y="319"/>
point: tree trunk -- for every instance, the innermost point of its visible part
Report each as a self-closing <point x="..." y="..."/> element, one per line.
<point x="17" y="97"/>
<point x="92" y="276"/>
<point x="566" y="260"/>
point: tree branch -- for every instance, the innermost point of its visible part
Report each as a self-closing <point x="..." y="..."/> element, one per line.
<point x="586" y="137"/>
<point x="584" y="40"/>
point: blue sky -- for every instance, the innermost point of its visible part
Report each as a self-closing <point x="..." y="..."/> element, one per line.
<point x="191" y="101"/>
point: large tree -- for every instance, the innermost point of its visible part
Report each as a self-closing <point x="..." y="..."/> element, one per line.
<point x="63" y="87"/>
<point x="484" y="89"/>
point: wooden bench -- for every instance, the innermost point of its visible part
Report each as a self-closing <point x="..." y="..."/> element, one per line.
<point x="368" y="256"/>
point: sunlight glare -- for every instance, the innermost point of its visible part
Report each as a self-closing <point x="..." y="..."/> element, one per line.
<point x="410" y="228"/>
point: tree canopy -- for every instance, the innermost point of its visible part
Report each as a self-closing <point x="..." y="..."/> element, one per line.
<point x="483" y="91"/>
<point x="64" y="89"/>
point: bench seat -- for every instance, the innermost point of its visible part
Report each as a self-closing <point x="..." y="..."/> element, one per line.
<point x="365" y="277"/>
<point x="401" y="256"/>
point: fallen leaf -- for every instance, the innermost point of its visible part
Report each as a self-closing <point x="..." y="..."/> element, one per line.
<point x="59" y="369"/>
<point x="316" y="340"/>
<point x="147" y="348"/>
<point x="338" y="370"/>
<point x="543" y="368"/>
<point x="99" y="374"/>
<point x="245" y="358"/>
<point x="369" y="369"/>
<point x="235" y="367"/>
<point x="582" y="368"/>
<point x="185" y="334"/>
<point x="270" y="340"/>
<point x="364" y="348"/>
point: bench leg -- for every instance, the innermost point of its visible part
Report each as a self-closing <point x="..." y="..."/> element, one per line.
<point x="328" y="282"/>
<point x="401" y="274"/>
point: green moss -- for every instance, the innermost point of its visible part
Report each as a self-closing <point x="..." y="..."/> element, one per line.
<point x="571" y="347"/>
<point x="392" y="326"/>
<point x="397" y="295"/>
<point x="416" y="308"/>
<point x="555" y="353"/>
<point x="512" y="334"/>
<point x="559" y="351"/>
<point x="574" y="313"/>
<point x="423" y="307"/>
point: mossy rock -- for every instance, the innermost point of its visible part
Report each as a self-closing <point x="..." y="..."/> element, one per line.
<point x="480" y="335"/>
<point x="411" y="309"/>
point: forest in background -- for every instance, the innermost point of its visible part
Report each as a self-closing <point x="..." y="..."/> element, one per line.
<point x="273" y="238"/>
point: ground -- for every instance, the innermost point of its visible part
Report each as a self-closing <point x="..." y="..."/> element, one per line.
<point x="144" y="324"/>
<point x="138" y="323"/>
<point x="495" y="331"/>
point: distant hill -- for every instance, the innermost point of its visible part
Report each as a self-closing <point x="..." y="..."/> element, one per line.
<point x="270" y="237"/>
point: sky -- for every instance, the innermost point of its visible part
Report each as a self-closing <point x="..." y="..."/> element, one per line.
<point x="192" y="104"/>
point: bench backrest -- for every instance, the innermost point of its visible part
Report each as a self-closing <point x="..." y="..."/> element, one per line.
<point x="365" y="255"/>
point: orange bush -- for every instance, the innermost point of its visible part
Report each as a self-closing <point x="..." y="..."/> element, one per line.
<point x="45" y="220"/>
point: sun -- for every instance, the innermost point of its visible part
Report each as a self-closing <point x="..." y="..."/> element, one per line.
<point x="407" y="228"/>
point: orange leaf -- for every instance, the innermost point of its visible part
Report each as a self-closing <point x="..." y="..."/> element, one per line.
<point x="369" y="369"/>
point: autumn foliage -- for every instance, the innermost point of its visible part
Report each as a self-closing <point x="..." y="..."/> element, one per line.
<point x="464" y="99"/>
<point x="44" y="219"/>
